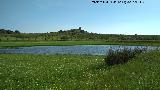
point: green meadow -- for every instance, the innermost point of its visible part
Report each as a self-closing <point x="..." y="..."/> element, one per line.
<point x="11" y="44"/>
<point x="78" y="72"/>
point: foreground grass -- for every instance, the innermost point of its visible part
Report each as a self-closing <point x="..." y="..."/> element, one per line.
<point x="11" y="44"/>
<point x="68" y="72"/>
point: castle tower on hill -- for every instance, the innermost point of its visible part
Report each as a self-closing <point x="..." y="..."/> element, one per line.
<point x="80" y="28"/>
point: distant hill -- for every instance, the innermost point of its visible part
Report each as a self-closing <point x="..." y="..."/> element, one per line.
<point x="71" y="35"/>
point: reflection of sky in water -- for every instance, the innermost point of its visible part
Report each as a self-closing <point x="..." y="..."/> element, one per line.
<point x="78" y="49"/>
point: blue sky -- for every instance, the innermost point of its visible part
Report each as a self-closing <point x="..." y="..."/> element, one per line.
<point x="54" y="15"/>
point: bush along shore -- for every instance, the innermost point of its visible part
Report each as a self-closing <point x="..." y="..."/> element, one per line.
<point x="122" y="56"/>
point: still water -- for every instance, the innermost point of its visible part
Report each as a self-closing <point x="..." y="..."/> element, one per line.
<point x="78" y="49"/>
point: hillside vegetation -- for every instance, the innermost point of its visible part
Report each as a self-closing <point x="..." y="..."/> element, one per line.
<point x="72" y="35"/>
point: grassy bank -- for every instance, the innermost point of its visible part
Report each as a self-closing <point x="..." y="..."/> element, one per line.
<point x="76" y="72"/>
<point x="65" y="43"/>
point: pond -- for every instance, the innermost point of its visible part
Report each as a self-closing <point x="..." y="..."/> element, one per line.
<point x="78" y="49"/>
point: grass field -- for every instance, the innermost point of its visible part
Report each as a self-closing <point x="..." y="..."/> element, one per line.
<point x="78" y="72"/>
<point x="65" y="43"/>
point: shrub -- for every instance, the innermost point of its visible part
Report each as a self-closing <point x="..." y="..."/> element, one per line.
<point x="121" y="56"/>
